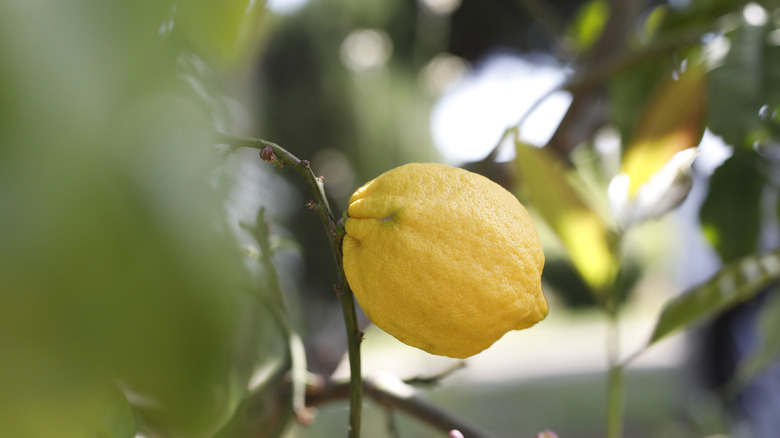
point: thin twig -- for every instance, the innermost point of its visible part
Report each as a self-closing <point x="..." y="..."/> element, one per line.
<point x="615" y="403"/>
<point x="541" y="13"/>
<point x="436" y="378"/>
<point x="597" y="76"/>
<point x="615" y="396"/>
<point x="280" y="315"/>
<point x="392" y="424"/>
<point x="616" y="387"/>
<point x="413" y="405"/>
<point x="273" y="153"/>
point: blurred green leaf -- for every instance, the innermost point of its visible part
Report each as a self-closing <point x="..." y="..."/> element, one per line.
<point x="223" y="32"/>
<point x="569" y="286"/>
<point x="46" y="399"/>
<point x="732" y="285"/>
<point x="265" y="411"/>
<point x="578" y="226"/>
<point x="655" y="170"/>
<point x="652" y="23"/>
<point x="767" y="351"/>
<point x="588" y="24"/>
<point x="702" y="16"/>
<point x="118" y="264"/>
<point x="730" y="215"/>
<point x="630" y="90"/>
<point x="747" y="80"/>
<point x="672" y="121"/>
<point x="117" y="420"/>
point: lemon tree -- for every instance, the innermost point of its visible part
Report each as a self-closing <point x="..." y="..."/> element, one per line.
<point x="443" y="259"/>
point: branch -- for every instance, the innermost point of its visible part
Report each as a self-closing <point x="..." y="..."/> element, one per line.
<point x="413" y="405"/>
<point x="593" y="79"/>
<point x="550" y="23"/>
<point x="598" y="75"/>
<point x="582" y="116"/>
<point x="273" y="153"/>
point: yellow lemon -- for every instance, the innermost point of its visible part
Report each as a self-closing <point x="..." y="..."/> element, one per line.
<point x="443" y="259"/>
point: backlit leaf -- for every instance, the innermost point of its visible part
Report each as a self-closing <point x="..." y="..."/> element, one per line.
<point x="733" y="284"/>
<point x="672" y="121"/>
<point x="589" y="23"/>
<point x="579" y="227"/>
<point x="664" y="191"/>
<point x="652" y="23"/>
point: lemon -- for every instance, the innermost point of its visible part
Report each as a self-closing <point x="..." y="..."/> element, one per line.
<point x="443" y="259"/>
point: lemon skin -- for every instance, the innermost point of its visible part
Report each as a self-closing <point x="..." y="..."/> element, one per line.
<point x="443" y="259"/>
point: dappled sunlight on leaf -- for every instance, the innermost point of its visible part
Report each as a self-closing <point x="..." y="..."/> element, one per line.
<point x="665" y="190"/>
<point x="583" y="233"/>
<point x="734" y="284"/>
<point x="580" y="228"/>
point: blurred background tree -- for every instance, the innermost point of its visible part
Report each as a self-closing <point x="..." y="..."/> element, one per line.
<point x="127" y="306"/>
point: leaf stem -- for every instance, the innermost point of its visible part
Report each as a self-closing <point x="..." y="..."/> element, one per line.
<point x="615" y="380"/>
<point x="615" y="402"/>
<point x="273" y="153"/>
<point x="612" y="307"/>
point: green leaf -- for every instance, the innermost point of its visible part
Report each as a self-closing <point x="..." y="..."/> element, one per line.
<point x="630" y="90"/>
<point x="652" y="23"/>
<point x="579" y="227"/>
<point x="655" y="170"/>
<point x="767" y="351"/>
<point x="748" y="79"/>
<point x="672" y="121"/>
<point x="222" y="32"/>
<point x="732" y="285"/>
<point x="703" y="16"/>
<point x="730" y="215"/>
<point x="117" y="420"/>
<point x="117" y="261"/>
<point x="588" y="24"/>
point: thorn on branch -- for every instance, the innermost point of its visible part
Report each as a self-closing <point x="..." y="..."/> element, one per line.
<point x="339" y="230"/>
<point x="311" y="205"/>
<point x="267" y="154"/>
